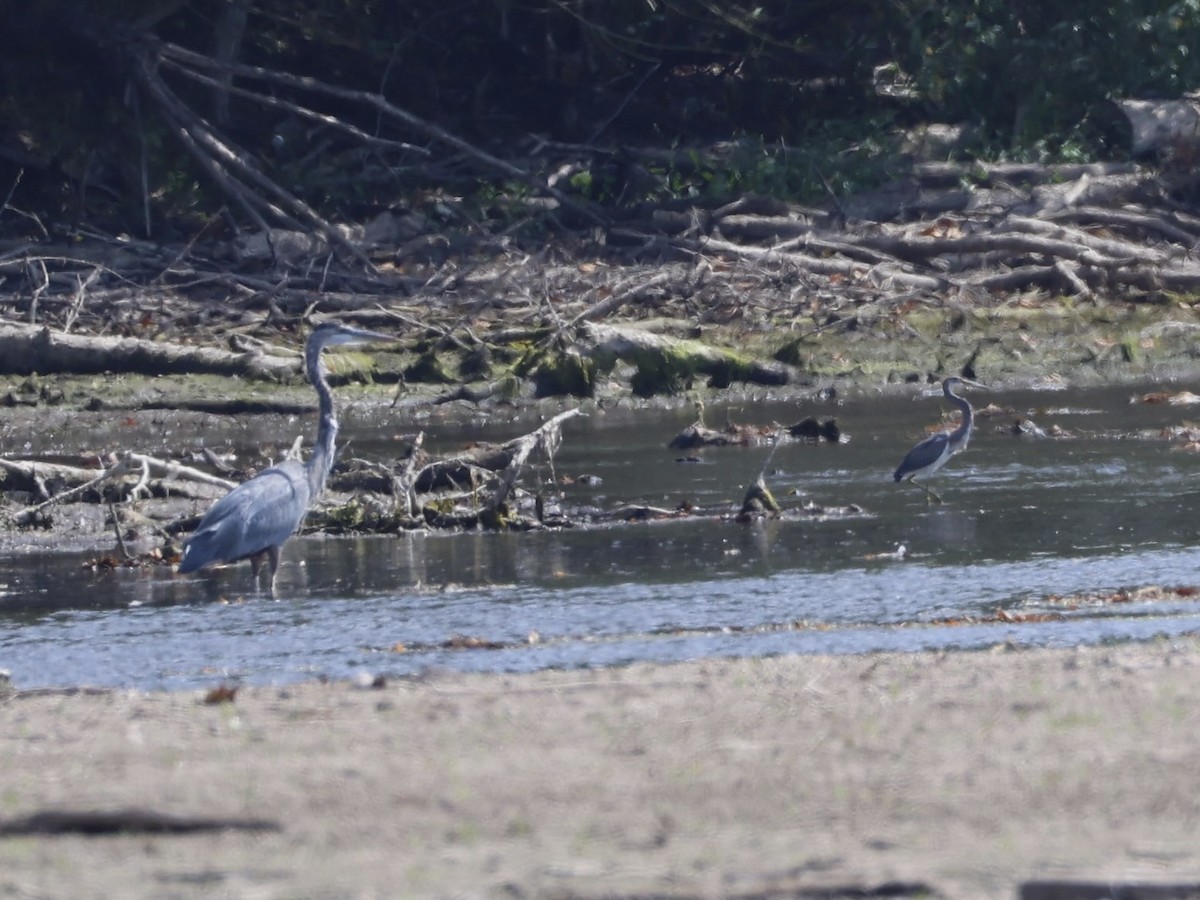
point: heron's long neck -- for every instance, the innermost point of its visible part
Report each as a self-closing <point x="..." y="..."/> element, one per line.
<point x="962" y="433"/>
<point x="321" y="460"/>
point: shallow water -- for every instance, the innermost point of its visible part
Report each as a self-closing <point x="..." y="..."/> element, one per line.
<point x="1023" y="520"/>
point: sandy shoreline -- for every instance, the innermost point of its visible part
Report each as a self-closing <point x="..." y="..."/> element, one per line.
<point x="960" y="774"/>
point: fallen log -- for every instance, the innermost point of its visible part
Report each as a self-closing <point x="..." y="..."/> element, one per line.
<point x="948" y="174"/>
<point x="31" y="476"/>
<point x="173" y="471"/>
<point x="1180" y="279"/>
<point x="1000" y="244"/>
<point x="28" y="349"/>
<point x="1017" y="279"/>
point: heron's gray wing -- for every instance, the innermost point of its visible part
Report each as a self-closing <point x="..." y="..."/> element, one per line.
<point x="255" y="516"/>
<point x="925" y="454"/>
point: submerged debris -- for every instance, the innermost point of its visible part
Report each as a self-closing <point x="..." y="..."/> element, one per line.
<point x="1182" y="398"/>
<point x="699" y="435"/>
<point x="1146" y="594"/>
<point x="811" y="430"/>
<point x="126" y="821"/>
<point x="757" y="502"/>
<point x="901" y="552"/>
<point x="1027" y="428"/>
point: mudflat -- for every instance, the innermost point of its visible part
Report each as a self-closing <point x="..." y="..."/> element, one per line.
<point x="949" y="774"/>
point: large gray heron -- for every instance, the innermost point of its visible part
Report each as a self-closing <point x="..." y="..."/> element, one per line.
<point x="255" y="519"/>
<point x="935" y="451"/>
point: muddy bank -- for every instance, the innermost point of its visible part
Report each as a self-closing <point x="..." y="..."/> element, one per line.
<point x="947" y="775"/>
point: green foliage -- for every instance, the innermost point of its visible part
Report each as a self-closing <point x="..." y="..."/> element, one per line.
<point x="1036" y="75"/>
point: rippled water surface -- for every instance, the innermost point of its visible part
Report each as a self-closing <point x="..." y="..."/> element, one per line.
<point x="1024" y="521"/>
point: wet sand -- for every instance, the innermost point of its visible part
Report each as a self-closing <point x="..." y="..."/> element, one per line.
<point x="954" y="775"/>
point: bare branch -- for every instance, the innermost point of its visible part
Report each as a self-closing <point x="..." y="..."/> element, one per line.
<point x="383" y="106"/>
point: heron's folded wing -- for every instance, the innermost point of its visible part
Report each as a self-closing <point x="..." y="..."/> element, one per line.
<point x="256" y="515"/>
<point x="924" y="455"/>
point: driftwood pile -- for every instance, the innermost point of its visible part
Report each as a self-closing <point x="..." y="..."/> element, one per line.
<point x="477" y="488"/>
<point x="648" y="305"/>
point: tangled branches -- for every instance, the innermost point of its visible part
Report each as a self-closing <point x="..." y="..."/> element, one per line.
<point x="243" y="179"/>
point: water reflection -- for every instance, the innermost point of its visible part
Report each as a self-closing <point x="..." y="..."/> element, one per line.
<point x="1023" y="519"/>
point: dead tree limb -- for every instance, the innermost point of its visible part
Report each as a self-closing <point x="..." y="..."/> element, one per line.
<point x="1016" y="279"/>
<point x="547" y="438"/>
<point x="1116" y="249"/>
<point x="273" y="102"/>
<point x="403" y="484"/>
<point x="1136" y="219"/>
<point x="173" y="471"/>
<point x="624" y="294"/>
<point x="924" y="249"/>
<point x="220" y="154"/>
<point x="33" y="471"/>
<point x="943" y="174"/>
<point x="83" y="480"/>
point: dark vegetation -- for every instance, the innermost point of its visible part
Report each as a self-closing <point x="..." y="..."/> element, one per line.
<point x="151" y="117"/>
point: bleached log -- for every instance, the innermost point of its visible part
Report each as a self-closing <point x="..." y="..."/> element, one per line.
<point x="28" y="349"/>
<point x="1157" y="124"/>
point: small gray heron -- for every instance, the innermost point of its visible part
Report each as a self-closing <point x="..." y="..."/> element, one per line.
<point x="935" y="451"/>
<point x="255" y="519"/>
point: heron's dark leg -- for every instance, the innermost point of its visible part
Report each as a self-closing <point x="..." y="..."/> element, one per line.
<point x="256" y="562"/>
<point x="272" y="567"/>
<point x="930" y="494"/>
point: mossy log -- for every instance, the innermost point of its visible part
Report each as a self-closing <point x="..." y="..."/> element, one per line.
<point x="666" y="365"/>
<point x="567" y="373"/>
